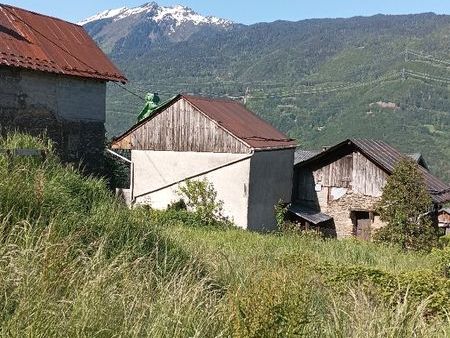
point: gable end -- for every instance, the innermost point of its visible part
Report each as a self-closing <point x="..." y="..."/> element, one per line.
<point x="181" y="127"/>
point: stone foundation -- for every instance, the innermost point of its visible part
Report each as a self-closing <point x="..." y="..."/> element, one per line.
<point x="340" y="209"/>
<point x="75" y="142"/>
<point x="69" y="110"/>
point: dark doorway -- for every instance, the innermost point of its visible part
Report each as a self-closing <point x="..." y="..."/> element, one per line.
<point x="362" y="224"/>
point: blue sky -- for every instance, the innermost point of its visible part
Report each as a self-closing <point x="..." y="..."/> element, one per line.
<point x="245" y="11"/>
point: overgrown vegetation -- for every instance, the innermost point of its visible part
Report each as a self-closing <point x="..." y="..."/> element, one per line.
<point x="75" y="262"/>
<point x="405" y="207"/>
<point x="201" y="197"/>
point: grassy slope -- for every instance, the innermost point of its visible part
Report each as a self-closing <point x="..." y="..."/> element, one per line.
<point x="76" y="262"/>
<point x="277" y="287"/>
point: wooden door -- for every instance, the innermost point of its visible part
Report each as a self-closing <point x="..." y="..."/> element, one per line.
<point x="363" y="229"/>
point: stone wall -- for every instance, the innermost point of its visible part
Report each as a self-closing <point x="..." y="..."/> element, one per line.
<point x="341" y="207"/>
<point x="69" y="110"/>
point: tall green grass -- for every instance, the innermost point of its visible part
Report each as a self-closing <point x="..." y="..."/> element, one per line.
<point x="76" y="262"/>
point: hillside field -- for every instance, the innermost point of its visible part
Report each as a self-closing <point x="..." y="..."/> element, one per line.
<point x="76" y="262"/>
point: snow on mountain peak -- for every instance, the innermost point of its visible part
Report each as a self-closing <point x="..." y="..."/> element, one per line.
<point x="178" y="13"/>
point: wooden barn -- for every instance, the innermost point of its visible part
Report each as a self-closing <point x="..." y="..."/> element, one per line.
<point x="248" y="161"/>
<point x="53" y="80"/>
<point x="337" y="189"/>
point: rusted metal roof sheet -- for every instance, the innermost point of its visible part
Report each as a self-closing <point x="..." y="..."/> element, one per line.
<point x="242" y="123"/>
<point x="37" y="42"/>
<point x="234" y="118"/>
<point x="386" y="157"/>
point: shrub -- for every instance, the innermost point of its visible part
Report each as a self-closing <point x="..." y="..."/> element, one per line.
<point x="177" y="206"/>
<point x="384" y="286"/>
<point x="445" y="240"/>
<point x="277" y="304"/>
<point x="201" y="197"/>
<point x="280" y="214"/>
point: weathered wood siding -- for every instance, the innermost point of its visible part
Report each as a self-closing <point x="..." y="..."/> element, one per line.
<point x="336" y="174"/>
<point x="181" y="127"/>
<point x="367" y="178"/>
<point x="354" y="172"/>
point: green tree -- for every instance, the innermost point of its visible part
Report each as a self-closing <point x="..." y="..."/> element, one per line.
<point x="406" y="206"/>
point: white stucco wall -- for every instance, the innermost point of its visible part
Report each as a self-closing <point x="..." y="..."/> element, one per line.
<point x="270" y="181"/>
<point x="156" y="169"/>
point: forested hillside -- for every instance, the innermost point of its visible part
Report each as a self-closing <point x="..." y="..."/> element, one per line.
<point x="320" y="81"/>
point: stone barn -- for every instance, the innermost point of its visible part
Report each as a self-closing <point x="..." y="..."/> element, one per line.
<point x="248" y="161"/>
<point x="337" y="189"/>
<point x="53" y="79"/>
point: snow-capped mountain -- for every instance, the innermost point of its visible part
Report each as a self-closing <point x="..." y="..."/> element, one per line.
<point x="123" y="29"/>
<point x="179" y="14"/>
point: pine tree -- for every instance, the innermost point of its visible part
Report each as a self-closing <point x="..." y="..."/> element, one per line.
<point x="405" y="207"/>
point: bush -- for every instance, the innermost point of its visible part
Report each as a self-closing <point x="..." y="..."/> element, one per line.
<point x="281" y="209"/>
<point x="384" y="286"/>
<point x="405" y="206"/>
<point x="274" y="304"/>
<point x="201" y="197"/>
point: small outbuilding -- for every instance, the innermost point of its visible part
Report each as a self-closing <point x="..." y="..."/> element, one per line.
<point x="247" y="160"/>
<point x="338" y="188"/>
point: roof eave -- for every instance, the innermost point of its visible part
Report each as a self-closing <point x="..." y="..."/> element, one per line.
<point x="259" y="149"/>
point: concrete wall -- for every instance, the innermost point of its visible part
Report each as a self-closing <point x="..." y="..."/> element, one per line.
<point x="70" y="110"/>
<point x="270" y="181"/>
<point x="250" y="188"/>
<point x="154" y="170"/>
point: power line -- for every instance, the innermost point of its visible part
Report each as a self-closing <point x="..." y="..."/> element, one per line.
<point x="428" y="57"/>
<point x="339" y="88"/>
<point x="129" y="91"/>
<point x="428" y="77"/>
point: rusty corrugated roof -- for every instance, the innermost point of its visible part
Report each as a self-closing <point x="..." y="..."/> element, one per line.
<point x="42" y="43"/>
<point x="232" y="117"/>
<point x="241" y="122"/>
<point x="386" y="157"/>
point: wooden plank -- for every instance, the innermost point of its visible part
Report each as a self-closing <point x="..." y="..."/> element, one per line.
<point x="368" y="179"/>
<point x="182" y="128"/>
